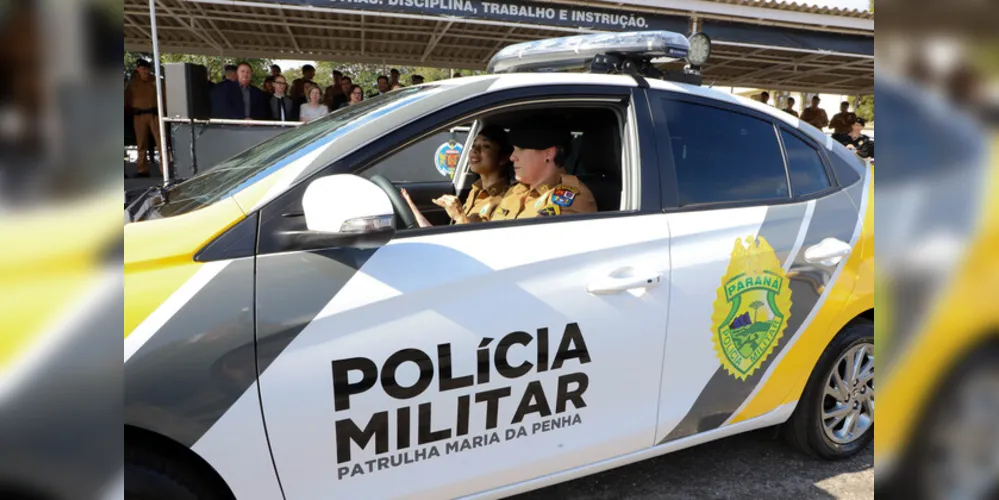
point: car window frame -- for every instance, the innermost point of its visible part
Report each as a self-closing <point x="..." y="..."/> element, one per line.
<point x="834" y="184"/>
<point x="667" y="164"/>
<point x="287" y="206"/>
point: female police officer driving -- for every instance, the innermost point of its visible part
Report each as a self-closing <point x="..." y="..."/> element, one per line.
<point x="490" y="159"/>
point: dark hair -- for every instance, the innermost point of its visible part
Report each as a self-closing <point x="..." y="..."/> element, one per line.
<point x="765" y="93"/>
<point x="383" y="77"/>
<point x="337" y="72"/>
<point x="229" y="67"/>
<point x="498" y="135"/>
<point x="847" y="103"/>
<point x="790" y="99"/>
<point x="861" y="121"/>
<point x="353" y="88"/>
<point x="269" y="79"/>
<point x="308" y="67"/>
<point x="394" y="70"/>
<point x="348" y="78"/>
<point x="275" y="66"/>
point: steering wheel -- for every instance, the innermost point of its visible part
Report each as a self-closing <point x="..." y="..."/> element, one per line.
<point x="399" y="204"/>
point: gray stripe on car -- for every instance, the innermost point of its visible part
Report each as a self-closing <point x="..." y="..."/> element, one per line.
<point x="834" y="216"/>
<point x="723" y="393"/>
<point x="204" y="358"/>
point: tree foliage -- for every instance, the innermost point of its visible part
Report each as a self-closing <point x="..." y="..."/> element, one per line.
<point x="215" y="65"/>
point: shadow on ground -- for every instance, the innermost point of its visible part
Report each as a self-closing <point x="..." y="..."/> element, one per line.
<point x="753" y="465"/>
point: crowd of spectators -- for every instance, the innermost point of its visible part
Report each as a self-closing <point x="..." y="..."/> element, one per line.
<point x="303" y="100"/>
<point x="847" y="128"/>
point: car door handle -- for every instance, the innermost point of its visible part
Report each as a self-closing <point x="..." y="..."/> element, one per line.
<point x="611" y="284"/>
<point x="827" y="252"/>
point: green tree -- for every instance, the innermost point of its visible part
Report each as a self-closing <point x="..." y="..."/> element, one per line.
<point x="756" y="305"/>
<point x="215" y="65"/>
<point x="864" y="106"/>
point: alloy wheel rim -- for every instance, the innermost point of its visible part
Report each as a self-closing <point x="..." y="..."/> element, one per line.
<point x="848" y="396"/>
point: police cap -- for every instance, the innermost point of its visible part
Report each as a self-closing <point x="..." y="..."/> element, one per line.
<point x="540" y="132"/>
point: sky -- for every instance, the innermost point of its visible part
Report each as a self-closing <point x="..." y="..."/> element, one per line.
<point x="843" y="4"/>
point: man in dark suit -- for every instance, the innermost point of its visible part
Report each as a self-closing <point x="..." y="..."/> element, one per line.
<point x="282" y="107"/>
<point x="240" y="100"/>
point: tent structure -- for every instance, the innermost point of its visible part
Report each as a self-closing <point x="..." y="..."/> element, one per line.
<point x="762" y="44"/>
<point x="756" y="43"/>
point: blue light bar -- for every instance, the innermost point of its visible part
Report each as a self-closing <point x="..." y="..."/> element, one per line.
<point x="559" y="54"/>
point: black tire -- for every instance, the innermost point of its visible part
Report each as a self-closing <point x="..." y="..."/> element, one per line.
<point x="804" y="430"/>
<point x="149" y="476"/>
<point x="923" y="463"/>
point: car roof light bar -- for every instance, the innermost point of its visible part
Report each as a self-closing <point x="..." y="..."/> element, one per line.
<point x="577" y="52"/>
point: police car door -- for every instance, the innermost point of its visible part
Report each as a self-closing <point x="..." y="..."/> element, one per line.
<point x="763" y="218"/>
<point x="456" y="360"/>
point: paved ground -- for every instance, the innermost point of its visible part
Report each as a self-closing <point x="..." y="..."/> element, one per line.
<point x="752" y="465"/>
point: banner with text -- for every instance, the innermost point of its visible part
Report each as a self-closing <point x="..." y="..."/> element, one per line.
<point x="548" y="14"/>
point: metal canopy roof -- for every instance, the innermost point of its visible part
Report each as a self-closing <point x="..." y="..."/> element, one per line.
<point x="746" y="53"/>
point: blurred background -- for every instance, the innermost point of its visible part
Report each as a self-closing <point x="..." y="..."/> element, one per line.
<point x="937" y="251"/>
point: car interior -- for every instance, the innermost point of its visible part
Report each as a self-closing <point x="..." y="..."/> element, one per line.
<point x="595" y="151"/>
<point x="595" y="157"/>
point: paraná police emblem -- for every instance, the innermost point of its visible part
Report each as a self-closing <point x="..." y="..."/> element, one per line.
<point x="446" y="158"/>
<point x="752" y="307"/>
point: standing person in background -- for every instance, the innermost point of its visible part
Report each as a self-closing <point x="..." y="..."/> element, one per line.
<point x="383" y="85"/>
<point x="765" y="97"/>
<point x="790" y="107"/>
<point x="314" y="108"/>
<point x="815" y="115"/>
<point x="283" y="109"/>
<point x="394" y="78"/>
<point x="298" y="86"/>
<point x="269" y="85"/>
<point x="229" y="74"/>
<point x="335" y="97"/>
<point x="346" y="84"/>
<point x="356" y="95"/>
<point x="240" y="100"/>
<point x="140" y="98"/>
<point x="842" y="123"/>
<point x="857" y="142"/>
<point x="275" y="70"/>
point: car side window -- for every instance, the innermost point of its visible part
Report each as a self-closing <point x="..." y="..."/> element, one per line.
<point x="723" y="156"/>
<point x="432" y="159"/>
<point x="808" y="173"/>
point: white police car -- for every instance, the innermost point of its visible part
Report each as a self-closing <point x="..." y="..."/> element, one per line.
<point x="290" y="333"/>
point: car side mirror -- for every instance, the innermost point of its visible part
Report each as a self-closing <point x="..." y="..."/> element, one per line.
<point x="343" y="210"/>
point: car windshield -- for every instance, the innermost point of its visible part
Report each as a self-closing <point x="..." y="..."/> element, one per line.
<point x="244" y="169"/>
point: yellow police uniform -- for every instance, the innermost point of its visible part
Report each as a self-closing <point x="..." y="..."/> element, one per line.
<point x="564" y="194"/>
<point x="481" y="202"/>
<point x="815" y="116"/>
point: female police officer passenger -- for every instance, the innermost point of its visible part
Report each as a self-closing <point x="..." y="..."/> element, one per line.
<point x="540" y="146"/>
<point x="490" y="159"/>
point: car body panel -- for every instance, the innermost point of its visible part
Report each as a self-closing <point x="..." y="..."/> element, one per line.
<point x="214" y="350"/>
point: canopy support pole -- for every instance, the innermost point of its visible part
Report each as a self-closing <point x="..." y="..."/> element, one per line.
<point x="164" y="155"/>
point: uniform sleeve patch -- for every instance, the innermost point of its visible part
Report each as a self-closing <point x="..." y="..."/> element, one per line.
<point x="563" y="196"/>
<point x="549" y="211"/>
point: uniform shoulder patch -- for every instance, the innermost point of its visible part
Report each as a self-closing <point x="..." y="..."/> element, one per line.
<point x="549" y="211"/>
<point x="563" y="195"/>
